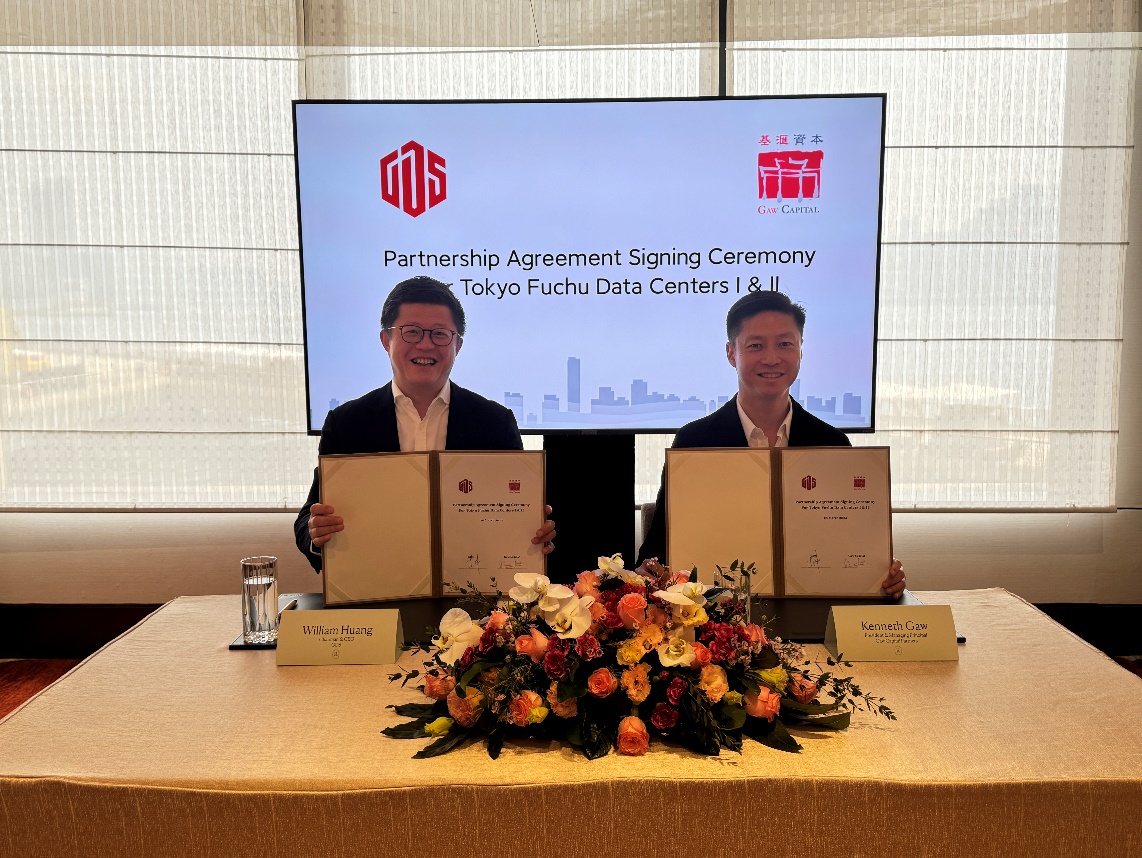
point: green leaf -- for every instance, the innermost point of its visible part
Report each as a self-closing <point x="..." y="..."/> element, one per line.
<point x="789" y="704"/>
<point x="780" y="739"/>
<point x="495" y="744"/>
<point x="418" y="710"/>
<point x="838" y="721"/>
<point x="442" y="745"/>
<point x="731" y="717"/>
<point x="410" y="730"/>
<point x="767" y="659"/>
<point x="472" y="672"/>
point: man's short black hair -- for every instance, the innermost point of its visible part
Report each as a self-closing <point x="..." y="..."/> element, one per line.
<point x="422" y="290"/>
<point x="752" y="303"/>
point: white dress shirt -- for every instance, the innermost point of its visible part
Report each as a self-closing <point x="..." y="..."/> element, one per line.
<point x="757" y="437"/>
<point x="416" y="434"/>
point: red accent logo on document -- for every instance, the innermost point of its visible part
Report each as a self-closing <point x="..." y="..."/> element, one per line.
<point x="809" y="483"/>
<point x="858" y="482"/>
<point x="413" y="179"/>
<point x="513" y="486"/>
<point x="466" y="486"/>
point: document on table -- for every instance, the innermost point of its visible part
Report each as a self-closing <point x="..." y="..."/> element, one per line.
<point x="720" y="509"/>
<point x="816" y="521"/>
<point x="387" y="549"/>
<point x="491" y="505"/>
<point x="837" y="520"/>
<point x="416" y="520"/>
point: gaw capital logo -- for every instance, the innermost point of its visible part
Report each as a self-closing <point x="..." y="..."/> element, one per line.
<point x="412" y="179"/>
<point x="809" y="483"/>
<point x="789" y="175"/>
<point x="466" y="486"/>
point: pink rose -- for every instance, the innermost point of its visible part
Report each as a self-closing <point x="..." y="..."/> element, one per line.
<point x="701" y="654"/>
<point x="521" y="707"/>
<point x="466" y="710"/>
<point x="675" y="690"/>
<point x="664" y="717"/>
<point x="765" y="704"/>
<point x="633" y="740"/>
<point x="680" y="578"/>
<point x="602" y="683"/>
<point x="801" y="688"/>
<point x="437" y="686"/>
<point x="756" y="634"/>
<point x="533" y="645"/>
<point x="497" y="620"/>
<point x="632" y="610"/>
<point x="712" y="681"/>
<point x="567" y="709"/>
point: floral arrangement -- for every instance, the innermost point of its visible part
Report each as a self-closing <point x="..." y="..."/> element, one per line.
<point x="621" y="655"/>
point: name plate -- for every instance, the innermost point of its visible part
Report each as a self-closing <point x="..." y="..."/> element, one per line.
<point x="350" y="636"/>
<point x="892" y="633"/>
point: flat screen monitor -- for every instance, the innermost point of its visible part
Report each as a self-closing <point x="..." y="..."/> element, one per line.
<point x="595" y="246"/>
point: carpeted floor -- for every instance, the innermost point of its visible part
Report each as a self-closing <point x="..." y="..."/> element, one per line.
<point x="21" y="679"/>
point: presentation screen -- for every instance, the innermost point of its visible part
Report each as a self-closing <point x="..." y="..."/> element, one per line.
<point x="595" y="246"/>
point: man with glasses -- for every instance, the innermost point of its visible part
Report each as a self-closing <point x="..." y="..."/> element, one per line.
<point x="422" y="329"/>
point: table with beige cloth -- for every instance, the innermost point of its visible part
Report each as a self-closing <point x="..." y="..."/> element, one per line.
<point x="165" y="743"/>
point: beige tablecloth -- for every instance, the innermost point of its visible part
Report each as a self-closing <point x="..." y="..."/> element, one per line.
<point x="166" y="743"/>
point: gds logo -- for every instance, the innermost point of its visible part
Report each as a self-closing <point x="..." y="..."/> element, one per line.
<point x="412" y="179"/>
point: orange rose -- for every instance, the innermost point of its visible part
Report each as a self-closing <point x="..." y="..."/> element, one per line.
<point x="566" y="709"/>
<point x="633" y="740"/>
<point x="519" y="713"/>
<point x="636" y="684"/>
<point x="632" y="610"/>
<point x="602" y="683"/>
<point x="712" y="681"/>
<point x="701" y="654"/>
<point x="466" y="710"/>
<point x="437" y="686"/>
<point x="765" y="704"/>
<point x="533" y="645"/>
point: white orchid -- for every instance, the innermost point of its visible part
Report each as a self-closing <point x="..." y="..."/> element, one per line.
<point x="571" y="617"/>
<point x="686" y="593"/>
<point x="676" y="652"/>
<point x="612" y="564"/>
<point x="535" y="587"/>
<point x="457" y="633"/>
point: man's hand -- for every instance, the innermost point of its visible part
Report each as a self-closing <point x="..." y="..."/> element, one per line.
<point x="894" y="583"/>
<point x="323" y="524"/>
<point x="545" y="536"/>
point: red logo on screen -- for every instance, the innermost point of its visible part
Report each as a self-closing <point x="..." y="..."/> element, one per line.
<point x="809" y="483"/>
<point x="513" y="485"/>
<point x="858" y="482"/>
<point x="789" y="175"/>
<point x="466" y="486"/>
<point x="412" y="179"/>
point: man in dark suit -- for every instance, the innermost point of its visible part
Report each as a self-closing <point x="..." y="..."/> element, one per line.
<point x="422" y="329"/>
<point x="764" y="332"/>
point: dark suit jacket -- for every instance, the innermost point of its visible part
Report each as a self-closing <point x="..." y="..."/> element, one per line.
<point x="369" y="425"/>
<point x="723" y="428"/>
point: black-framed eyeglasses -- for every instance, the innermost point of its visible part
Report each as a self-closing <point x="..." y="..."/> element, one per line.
<point x="413" y="334"/>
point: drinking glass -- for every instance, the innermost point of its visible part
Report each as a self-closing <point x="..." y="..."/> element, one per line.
<point x="259" y="600"/>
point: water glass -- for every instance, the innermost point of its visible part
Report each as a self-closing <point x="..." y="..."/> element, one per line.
<point x="259" y="600"/>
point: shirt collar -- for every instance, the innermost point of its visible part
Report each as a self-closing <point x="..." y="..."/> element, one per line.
<point x="782" y="431"/>
<point x="445" y="394"/>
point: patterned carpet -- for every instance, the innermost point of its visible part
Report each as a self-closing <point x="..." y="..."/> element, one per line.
<point x="21" y="679"/>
